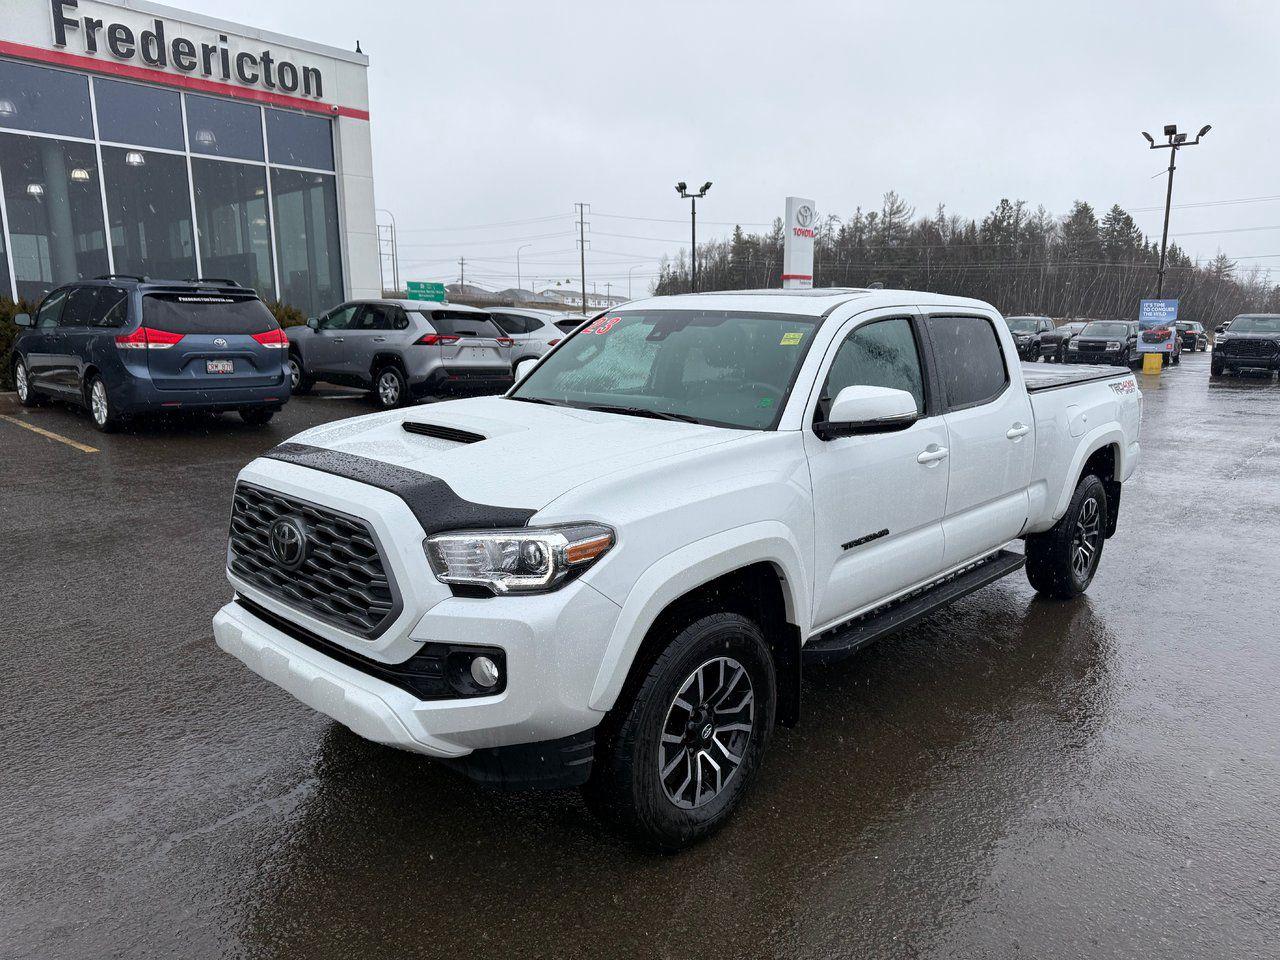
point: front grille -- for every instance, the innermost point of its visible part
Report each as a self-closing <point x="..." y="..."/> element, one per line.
<point x="1087" y="347"/>
<point x="1248" y="348"/>
<point x="343" y="579"/>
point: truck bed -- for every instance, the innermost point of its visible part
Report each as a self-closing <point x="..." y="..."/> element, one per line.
<point x="1053" y="376"/>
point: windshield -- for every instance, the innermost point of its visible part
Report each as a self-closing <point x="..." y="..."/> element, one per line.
<point x="1256" y="324"/>
<point x="1023" y="326"/>
<point x="1105" y="329"/>
<point x="717" y="367"/>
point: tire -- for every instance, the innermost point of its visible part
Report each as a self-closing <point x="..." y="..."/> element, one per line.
<point x="27" y="395"/>
<point x="257" y="416"/>
<point x="390" y="389"/>
<point x="1177" y="359"/>
<point x="299" y="382"/>
<point x="101" y="413"/>
<point x="1061" y="561"/>
<point x="627" y="790"/>
<point x="1216" y="367"/>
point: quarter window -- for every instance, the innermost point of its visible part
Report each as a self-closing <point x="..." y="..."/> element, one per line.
<point x="112" y="309"/>
<point x="878" y="354"/>
<point x="969" y="359"/>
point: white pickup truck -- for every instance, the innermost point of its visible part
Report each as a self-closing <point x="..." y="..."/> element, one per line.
<point x="612" y="576"/>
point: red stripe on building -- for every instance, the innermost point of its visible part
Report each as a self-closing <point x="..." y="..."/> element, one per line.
<point x="797" y="276"/>
<point x="196" y="84"/>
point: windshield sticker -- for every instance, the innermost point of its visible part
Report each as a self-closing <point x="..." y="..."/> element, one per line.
<point x="791" y="339"/>
<point x="603" y="325"/>
<point x="766" y="402"/>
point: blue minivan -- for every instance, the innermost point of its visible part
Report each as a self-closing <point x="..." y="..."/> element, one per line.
<point x="125" y="345"/>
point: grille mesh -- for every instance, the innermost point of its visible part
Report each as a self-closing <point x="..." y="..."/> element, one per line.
<point x="343" y="580"/>
<point x="1248" y="348"/>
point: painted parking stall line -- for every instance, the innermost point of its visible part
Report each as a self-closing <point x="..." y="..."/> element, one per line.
<point x="82" y="447"/>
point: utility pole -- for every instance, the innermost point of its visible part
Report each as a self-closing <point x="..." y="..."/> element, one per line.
<point x="682" y="188"/>
<point x="462" y="274"/>
<point x="1176" y="141"/>
<point x="608" y="294"/>
<point x="582" y="249"/>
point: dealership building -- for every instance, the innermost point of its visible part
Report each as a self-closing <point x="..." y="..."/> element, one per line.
<point x="139" y="139"/>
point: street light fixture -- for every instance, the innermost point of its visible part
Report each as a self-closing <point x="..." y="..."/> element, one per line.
<point x="1174" y="142"/>
<point x="682" y="188"/>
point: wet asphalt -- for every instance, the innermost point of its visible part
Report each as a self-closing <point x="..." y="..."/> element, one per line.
<point x="1015" y="777"/>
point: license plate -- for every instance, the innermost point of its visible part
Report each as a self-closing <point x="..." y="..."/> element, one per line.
<point x="476" y="353"/>
<point x="219" y="366"/>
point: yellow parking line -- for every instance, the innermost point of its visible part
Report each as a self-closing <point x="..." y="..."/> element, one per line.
<point x="82" y="447"/>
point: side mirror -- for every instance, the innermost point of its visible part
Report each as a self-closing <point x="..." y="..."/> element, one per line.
<point x="862" y="409"/>
<point x="313" y="323"/>
<point x="1221" y="329"/>
<point x="22" y="320"/>
<point x="524" y="368"/>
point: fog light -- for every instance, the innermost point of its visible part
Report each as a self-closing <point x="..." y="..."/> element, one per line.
<point x="484" y="671"/>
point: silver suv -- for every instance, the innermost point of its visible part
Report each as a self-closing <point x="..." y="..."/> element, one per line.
<point x="534" y="331"/>
<point x="402" y="350"/>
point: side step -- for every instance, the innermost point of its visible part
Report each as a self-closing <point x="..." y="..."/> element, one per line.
<point x="839" y="642"/>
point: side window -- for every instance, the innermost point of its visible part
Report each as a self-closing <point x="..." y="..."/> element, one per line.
<point x="112" y="309"/>
<point x="51" y="310"/>
<point x="882" y="353"/>
<point x="969" y="359"/>
<point x="339" y="318"/>
<point x="78" y="311"/>
<point x="378" y="316"/>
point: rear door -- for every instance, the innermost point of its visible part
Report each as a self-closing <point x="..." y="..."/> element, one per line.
<point x="470" y="342"/>
<point x="990" y="426"/>
<point x="211" y="341"/>
<point x="45" y="341"/>
<point x="878" y="499"/>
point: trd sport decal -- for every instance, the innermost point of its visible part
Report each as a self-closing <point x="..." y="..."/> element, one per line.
<point x="867" y="539"/>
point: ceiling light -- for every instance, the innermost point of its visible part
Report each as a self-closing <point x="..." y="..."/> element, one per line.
<point x="8" y="108"/>
<point x="134" y="158"/>
<point x="206" y="138"/>
<point x="35" y="190"/>
<point x="80" y="175"/>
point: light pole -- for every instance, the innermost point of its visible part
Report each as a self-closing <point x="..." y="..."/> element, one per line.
<point x="518" y="249"/>
<point x="682" y="188"/>
<point x="395" y="252"/>
<point x="1176" y="141"/>
<point x="629" y="280"/>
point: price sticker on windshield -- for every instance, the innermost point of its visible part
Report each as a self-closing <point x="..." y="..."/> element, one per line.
<point x="603" y="325"/>
<point x="791" y="339"/>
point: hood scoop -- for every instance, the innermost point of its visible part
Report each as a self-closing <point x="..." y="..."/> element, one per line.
<point x="442" y="433"/>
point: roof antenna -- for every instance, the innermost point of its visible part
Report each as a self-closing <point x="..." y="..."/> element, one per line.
<point x="358" y="50"/>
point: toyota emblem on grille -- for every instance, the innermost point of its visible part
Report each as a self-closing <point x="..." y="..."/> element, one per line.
<point x="288" y="542"/>
<point x="219" y="342"/>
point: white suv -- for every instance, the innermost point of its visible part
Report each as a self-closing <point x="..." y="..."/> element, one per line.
<point x="612" y="575"/>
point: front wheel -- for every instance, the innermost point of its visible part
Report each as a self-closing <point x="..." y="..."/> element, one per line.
<point x="679" y="754"/>
<point x="1216" y="367"/>
<point x="1061" y="561"/>
<point x="22" y="384"/>
<point x="390" y="388"/>
<point x="299" y="382"/>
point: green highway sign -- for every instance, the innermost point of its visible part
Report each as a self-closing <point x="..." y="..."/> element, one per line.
<point x="422" y="290"/>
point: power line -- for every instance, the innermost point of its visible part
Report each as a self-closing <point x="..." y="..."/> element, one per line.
<point x="488" y="226"/>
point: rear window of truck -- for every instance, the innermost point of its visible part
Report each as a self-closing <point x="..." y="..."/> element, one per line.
<point x="201" y="313"/>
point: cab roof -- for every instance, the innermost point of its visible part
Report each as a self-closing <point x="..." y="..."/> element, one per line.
<point x="817" y="302"/>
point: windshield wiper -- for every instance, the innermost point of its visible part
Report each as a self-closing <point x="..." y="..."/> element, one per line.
<point x="549" y="403"/>
<point x="645" y="412"/>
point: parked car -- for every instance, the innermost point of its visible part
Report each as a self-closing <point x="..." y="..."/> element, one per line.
<point x="1193" y="336"/>
<point x="533" y="332"/>
<point x="1252" y="342"/>
<point x="1157" y="336"/>
<point x="613" y="575"/>
<point x="124" y="345"/>
<point x="570" y="322"/>
<point x="1027" y="334"/>
<point x="402" y="350"/>
<point x="1105" y="341"/>
<point x="1053" y="345"/>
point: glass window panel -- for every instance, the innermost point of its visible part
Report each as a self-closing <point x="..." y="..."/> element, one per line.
<point x="231" y="214"/>
<point x="878" y="354"/>
<point x="52" y="195"/>
<point x="224" y="128"/>
<point x="970" y="359"/>
<point x="46" y="101"/>
<point x="6" y="289"/>
<point x="78" y="311"/>
<point x="306" y="208"/>
<point x="132" y="113"/>
<point x="149" y="205"/>
<point x="299" y="140"/>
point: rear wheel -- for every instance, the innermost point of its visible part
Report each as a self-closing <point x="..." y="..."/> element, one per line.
<point x="679" y="753"/>
<point x="101" y="412"/>
<point x="390" y="388"/>
<point x="1061" y="561"/>
<point x="27" y="395"/>
<point x="299" y="382"/>
<point x="257" y="416"/>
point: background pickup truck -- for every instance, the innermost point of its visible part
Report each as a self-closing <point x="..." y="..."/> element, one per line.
<point x="613" y="575"/>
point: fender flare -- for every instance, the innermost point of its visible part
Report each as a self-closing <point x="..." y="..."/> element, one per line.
<point x="1107" y="435"/>
<point x="671" y="577"/>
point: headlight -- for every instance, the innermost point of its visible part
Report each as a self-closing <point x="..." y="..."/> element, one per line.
<point x="1073" y="346"/>
<point x="1113" y="344"/>
<point x="529" y="560"/>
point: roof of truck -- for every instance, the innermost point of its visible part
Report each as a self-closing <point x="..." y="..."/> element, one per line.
<point x="816" y="302"/>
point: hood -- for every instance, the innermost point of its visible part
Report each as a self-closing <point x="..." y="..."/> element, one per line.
<point x="528" y="454"/>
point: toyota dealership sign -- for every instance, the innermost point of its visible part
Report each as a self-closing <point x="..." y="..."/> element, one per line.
<point x="797" y="244"/>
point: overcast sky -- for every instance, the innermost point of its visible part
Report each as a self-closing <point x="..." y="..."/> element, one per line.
<point x="490" y="112"/>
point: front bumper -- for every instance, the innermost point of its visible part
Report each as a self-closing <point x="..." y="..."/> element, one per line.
<point x="1115" y="357"/>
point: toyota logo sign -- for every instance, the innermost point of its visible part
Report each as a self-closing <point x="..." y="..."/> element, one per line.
<point x="804" y="215"/>
<point x="289" y="542"/>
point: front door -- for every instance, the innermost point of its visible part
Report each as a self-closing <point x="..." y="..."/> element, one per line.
<point x="878" y="498"/>
<point x="326" y="347"/>
<point x="366" y="337"/>
<point x="44" y="348"/>
<point x="992" y="441"/>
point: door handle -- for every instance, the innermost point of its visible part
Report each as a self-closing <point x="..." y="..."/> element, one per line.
<point x="933" y="454"/>
<point x="339" y="340"/>
<point x="1018" y="431"/>
<point x="379" y="339"/>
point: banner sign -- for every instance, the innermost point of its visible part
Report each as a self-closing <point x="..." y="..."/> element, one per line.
<point x="1157" y="313"/>
<point x="797" y="244"/>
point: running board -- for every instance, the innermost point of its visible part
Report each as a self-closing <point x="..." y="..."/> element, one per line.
<point x="839" y="642"/>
